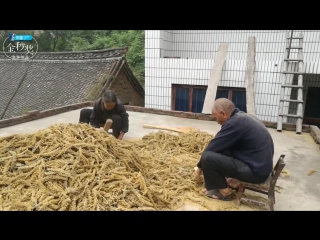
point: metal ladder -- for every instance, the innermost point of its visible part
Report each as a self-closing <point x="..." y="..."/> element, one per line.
<point x="285" y="85"/>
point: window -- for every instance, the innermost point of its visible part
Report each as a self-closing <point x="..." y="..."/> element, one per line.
<point x="198" y="97"/>
<point x="236" y="95"/>
<point x="190" y="98"/>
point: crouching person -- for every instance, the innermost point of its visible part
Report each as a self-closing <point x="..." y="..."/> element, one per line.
<point x="107" y="107"/>
<point x="242" y="150"/>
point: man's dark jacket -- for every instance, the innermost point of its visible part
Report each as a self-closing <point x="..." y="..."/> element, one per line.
<point x="247" y="139"/>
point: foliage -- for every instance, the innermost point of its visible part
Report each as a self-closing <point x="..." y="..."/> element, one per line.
<point x="134" y="39"/>
<point x="81" y="40"/>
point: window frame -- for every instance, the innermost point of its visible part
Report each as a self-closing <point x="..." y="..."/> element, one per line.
<point x="231" y="90"/>
<point x="191" y="87"/>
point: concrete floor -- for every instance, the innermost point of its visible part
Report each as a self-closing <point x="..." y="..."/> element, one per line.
<point x="299" y="191"/>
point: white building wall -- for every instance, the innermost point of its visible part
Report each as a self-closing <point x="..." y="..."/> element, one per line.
<point x="166" y="46"/>
<point x="197" y="49"/>
<point x="270" y="44"/>
<point x="152" y="44"/>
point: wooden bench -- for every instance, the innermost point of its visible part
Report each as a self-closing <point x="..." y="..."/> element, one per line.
<point x="267" y="188"/>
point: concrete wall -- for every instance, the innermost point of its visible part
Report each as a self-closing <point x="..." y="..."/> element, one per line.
<point x="197" y="49"/>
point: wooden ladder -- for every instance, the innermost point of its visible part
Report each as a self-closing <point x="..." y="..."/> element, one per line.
<point x="290" y="73"/>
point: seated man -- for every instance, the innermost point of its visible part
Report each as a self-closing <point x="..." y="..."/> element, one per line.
<point x="243" y="150"/>
<point x="107" y="107"/>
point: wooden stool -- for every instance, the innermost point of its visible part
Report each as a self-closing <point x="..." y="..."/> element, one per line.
<point x="267" y="188"/>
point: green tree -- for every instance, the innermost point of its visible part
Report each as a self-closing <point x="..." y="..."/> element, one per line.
<point x="134" y="39"/>
<point x="55" y="40"/>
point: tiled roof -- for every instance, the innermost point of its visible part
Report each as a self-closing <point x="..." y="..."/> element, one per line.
<point x="11" y="74"/>
<point x="84" y="55"/>
<point x="51" y="80"/>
